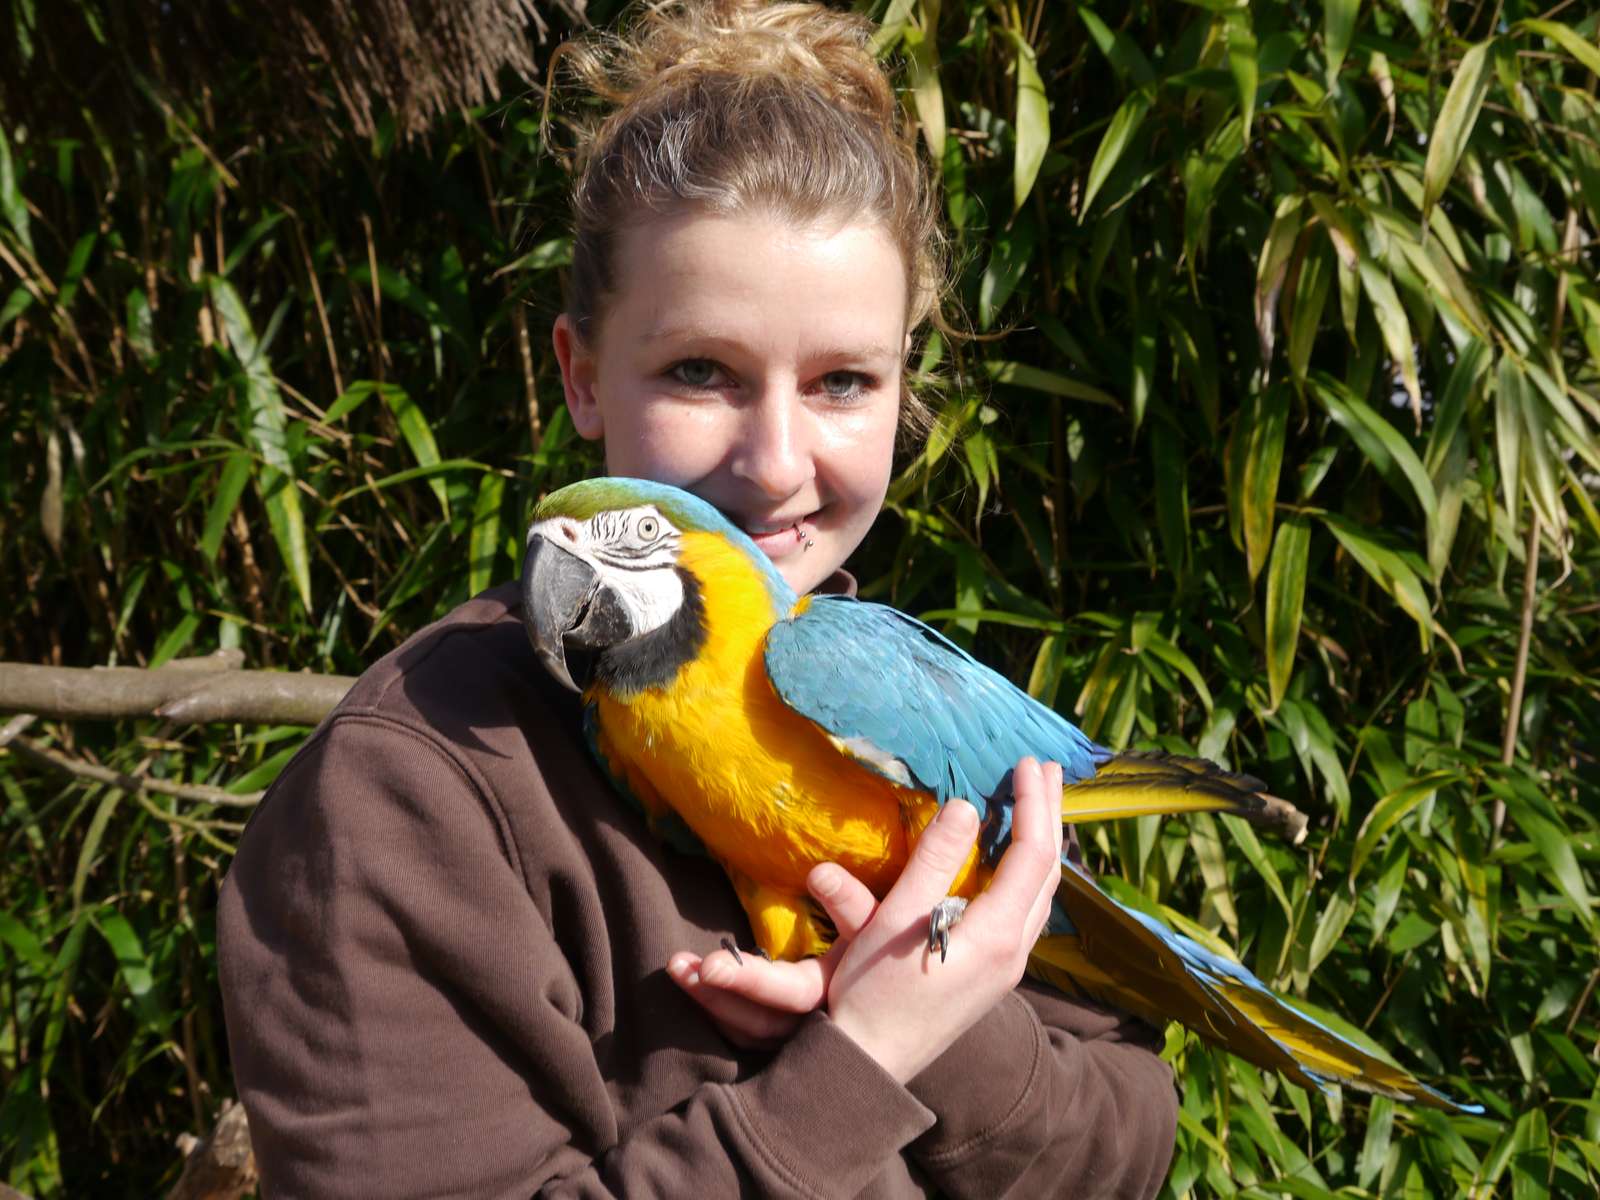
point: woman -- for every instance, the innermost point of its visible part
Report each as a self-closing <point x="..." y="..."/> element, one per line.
<point x="455" y="962"/>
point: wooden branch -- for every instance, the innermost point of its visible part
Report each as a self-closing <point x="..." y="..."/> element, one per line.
<point x="192" y="692"/>
<point x="222" y="1167"/>
<point x="46" y="757"/>
<point x="17" y="724"/>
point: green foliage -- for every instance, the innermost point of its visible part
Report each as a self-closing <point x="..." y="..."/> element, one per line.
<point x="1294" y="336"/>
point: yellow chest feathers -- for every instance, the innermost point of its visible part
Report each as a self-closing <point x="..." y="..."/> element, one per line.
<point x="762" y="787"/>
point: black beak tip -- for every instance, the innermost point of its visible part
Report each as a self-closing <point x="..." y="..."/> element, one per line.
<point x="570" y="614"/>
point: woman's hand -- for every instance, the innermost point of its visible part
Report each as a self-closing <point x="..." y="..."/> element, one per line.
<point x="890" y="992"/>
<point x="882" y="985"/>
<point x="756" y="1003"/>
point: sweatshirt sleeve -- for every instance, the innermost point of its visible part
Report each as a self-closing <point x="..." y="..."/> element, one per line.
<point x="403" y="1023"/>
<point x="1071" y="1100"/>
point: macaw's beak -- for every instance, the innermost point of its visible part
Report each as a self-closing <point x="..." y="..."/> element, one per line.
<point x="570" y="614"/>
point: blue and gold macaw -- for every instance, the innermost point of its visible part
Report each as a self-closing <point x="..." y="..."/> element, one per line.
<point x="778" y="732"/>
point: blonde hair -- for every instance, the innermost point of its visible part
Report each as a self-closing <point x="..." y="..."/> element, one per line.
<point x="731" y="106"/>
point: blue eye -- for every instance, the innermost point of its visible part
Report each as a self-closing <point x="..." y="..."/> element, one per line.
<point x="843" y="385"/>
<point x="696" y="372"/>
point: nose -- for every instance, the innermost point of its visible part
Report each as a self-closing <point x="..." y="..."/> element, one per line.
<point x="775" y="452"/>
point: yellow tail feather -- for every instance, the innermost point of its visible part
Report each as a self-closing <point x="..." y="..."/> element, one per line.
<point x="1116" y="959"/>
<point x="1140" y="783"/>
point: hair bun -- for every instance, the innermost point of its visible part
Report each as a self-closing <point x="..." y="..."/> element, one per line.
<point x="676" y="44"/>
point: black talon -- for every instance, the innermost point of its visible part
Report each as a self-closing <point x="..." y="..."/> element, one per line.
<point x="728" y="945"/>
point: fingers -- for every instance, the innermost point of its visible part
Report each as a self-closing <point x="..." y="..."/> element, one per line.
<point x="1031" y="865"/>
<point x="744" y="1022"/>
<point x="788" y="987"/>
<point x="845" y="898"/>
<point x="1050" y="804"/>
<point x="756" y="1002"/>
<point x="939" y="854"/>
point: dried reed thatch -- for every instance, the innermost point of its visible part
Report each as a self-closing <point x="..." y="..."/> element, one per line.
<point x="321" y="68"/>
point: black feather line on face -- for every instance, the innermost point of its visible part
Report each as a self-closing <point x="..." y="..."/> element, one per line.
<point x="652" y="659"/>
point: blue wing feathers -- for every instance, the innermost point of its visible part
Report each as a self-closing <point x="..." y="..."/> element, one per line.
<point x="866" y="671"/>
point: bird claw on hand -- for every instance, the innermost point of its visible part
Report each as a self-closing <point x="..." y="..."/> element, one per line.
<point x="727" y="944"/>
<point x="941" y="920"/>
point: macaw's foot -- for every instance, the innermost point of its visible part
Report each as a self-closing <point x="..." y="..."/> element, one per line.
<point x="941" y="921"/>
<point x="727" y="944"/>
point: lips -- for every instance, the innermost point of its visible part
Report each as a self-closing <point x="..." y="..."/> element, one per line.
<point x="777" y="541"/>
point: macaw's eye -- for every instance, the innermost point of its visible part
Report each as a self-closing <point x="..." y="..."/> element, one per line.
<point x="648" y="528"/>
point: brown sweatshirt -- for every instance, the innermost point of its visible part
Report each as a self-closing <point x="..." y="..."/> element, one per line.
<point x="443" y="946"/>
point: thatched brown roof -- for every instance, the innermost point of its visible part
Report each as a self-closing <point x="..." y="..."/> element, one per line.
<point x="318" y="68"/>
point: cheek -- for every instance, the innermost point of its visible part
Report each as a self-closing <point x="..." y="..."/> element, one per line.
<point x="861" y="459"/>
<point x="670" y="443"/>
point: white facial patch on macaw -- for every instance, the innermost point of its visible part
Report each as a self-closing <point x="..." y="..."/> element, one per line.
<point x="635" y="553"/>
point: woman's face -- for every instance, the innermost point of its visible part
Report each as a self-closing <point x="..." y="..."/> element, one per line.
<point x="757" y="364"/>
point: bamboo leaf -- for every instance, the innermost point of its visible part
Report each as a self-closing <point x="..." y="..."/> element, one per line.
<point x="1386" y="895"/>
<point x="1330" y="928"/>
<point x="288" y="527"/>
<point x="1052" y="383"/>
<point x="1012" y="254"/>
<point x="418" y="435"/>
<point x="1568" y="39"/>
<point x="1286" y="589"/>
<point x="1118" y="135"/>
<point x="1392" y="809"/>
<point x="1554" y="845"/>
<point x="1449" y="292"/>
<point x="1167" y="652"/>
<point x="1172" y="497"/>
<point x="1121" y="51"/>
<point x="351" y="399"/>
<point x="231" y="483"/>
<point x="1310" y="298"/>
<point x="23" y="941"/>
<point x="1143" y="364"/>
<point x="1033" y="124"/>
<point x="265" y="429"/>
<point x="1457" y="116"/>
<point x="1510" y="388"/>
<point x="12" y="206"/>
<point x="89" y="850"/>
<point x="1382" y="444"/>
<point x="1396" y="330"/>
<point x="1263" y="460"/>
<point x="1209" y="855"/>
<point x="1203" y="171"/>
<point x="1242" y="63"/>
<point x="483" y="540"/>
<point x="1273" y="267"/>
<point x="927" y="94"/>
<point x="1387" y="569"/>
<point x="17" y="303"/>
<point x="133" y="964"/>
<point x="1250" y="846"/>
<point x="1375" y="1146"/>
<point x="1338" y="27"/>
<point x="243" y="246"/>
